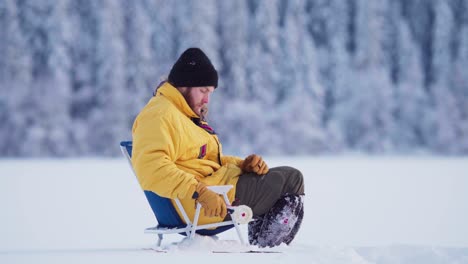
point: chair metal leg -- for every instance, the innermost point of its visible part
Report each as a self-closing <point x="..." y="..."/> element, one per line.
<point x="195" y="221"/>
<point x="239" y="233"/>
<point x="160" y="238"/>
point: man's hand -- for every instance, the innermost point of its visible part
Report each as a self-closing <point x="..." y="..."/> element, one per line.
<point x="254" y="163"/>
<point x="212" y="202"/>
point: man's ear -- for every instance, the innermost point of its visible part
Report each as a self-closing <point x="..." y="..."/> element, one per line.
<point x="182" y="90"/>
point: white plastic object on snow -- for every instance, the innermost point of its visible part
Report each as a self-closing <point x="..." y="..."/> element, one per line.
<point x="241" y="214"/>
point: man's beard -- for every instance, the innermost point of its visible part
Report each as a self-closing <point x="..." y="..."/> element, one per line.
<point x="191" y="102"/>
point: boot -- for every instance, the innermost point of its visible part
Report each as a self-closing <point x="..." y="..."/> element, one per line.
<point x="289" y="238"/>
<point x="282" y="222"/>
<point x="254" y="229"/>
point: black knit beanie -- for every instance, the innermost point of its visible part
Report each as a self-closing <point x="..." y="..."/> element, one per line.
<point x="193" y="69"/>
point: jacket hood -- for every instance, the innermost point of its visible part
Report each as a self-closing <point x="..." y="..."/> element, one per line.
<point x="176" y="98"/>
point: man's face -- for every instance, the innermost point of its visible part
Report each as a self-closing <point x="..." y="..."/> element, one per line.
<point x="197" y="97"/>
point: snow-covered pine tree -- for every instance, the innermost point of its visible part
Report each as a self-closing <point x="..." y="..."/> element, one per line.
<point x="460" y="86"/>
<point x="300" y="107"/>
<point x="84" y="17"/>
<point x="15" y="81"/>
<point x="140" y="76"/>
<point x="365" y="113"/>
<point x="46" y="106"/>
<point x="459" y="75"/>
<point x="446" y="113"/>
<point x="164" y="48"/>
<point x="411" y="101"/>
<point x="329" y="25"/>
<point x="107" y="123"/>
<point x="262" y="75"/>
<point x="233" y="28"/>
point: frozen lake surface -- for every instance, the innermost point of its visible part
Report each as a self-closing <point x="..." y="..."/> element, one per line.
<point x="358" y="210"/>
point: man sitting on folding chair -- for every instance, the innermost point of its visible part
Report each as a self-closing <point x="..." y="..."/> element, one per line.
<point x="177" y="155"/>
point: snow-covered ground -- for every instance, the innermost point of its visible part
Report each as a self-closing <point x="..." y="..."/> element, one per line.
<point x="358" y="210"/>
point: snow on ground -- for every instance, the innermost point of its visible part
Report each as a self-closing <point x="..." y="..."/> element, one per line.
<point x="358" y="210"/>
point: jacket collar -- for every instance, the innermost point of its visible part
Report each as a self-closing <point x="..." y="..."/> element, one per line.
<point x="176" y="98"/>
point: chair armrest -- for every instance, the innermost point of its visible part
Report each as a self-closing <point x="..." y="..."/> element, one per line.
<point x="220" y="189"/>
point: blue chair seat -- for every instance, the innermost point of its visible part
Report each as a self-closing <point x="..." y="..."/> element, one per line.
<point x="163" y="209"/>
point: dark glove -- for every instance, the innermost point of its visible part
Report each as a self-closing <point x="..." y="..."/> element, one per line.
<point x="254" y="163"/>
<point x="212" y="202"/>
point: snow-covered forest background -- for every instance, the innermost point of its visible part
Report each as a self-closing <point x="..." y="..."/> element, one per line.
<point x="296" y="77"/>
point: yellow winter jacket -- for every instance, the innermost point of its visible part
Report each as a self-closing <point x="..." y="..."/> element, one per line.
<point x="171" y="153"/>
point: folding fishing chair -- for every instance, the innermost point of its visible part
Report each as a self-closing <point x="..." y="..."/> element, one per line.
<point x="169" y="221"/>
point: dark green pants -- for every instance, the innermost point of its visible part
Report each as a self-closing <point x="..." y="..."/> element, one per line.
<point x="261" y="192"/>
